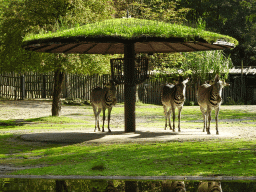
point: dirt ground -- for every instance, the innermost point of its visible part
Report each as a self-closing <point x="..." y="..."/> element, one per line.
<point x="20" y="110"/>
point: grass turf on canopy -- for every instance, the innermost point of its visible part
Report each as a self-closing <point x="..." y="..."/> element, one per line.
<point x="129" y="29"/>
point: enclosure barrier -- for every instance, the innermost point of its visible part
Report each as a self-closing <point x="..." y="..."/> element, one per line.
<point x="33" y="85"/>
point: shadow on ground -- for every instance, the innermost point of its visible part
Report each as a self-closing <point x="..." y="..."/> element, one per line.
<point x="97" y="137"/>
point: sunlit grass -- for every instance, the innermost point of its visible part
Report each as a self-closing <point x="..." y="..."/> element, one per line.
<point x="213" y="157"/>
<point x="134" y="28"/>
<point x="193" y="113"/>
<point x="52" y="119"/>
<point x="174" y="158"/>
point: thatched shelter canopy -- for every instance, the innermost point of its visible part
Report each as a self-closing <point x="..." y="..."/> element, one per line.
<point x="109" y="37"/>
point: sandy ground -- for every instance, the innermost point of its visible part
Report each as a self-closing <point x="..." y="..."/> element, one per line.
<point x="32" y="109"/>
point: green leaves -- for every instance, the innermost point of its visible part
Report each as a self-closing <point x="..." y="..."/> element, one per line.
<point x="22" y="17"/>
<point x="204" y="63"/>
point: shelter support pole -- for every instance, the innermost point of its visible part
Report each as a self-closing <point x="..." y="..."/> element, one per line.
<point x="129" y="87"/>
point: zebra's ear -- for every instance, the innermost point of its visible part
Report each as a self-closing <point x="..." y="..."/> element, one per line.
<point x="186" y="80"/>
<point x="217" y="78"/>
<point x="211" y="82"/>
<point x="225" y="84"/>
<point x="180" y="79"/>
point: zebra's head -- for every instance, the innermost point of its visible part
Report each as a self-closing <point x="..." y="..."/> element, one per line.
<point x="217" y="86"/>
<point x="180" y="88"/>
<point x="111" y="88"/>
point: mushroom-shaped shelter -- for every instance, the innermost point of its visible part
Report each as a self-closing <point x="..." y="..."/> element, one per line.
<point x="128" y="37"/>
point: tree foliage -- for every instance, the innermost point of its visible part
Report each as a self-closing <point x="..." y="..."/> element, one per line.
<point x="181" y="12"/>
<point x="32" y="17"/>
<point x="21" y="17"/>
<point x="201" y="65"/>
<point x="12" y="30"/>
<point x="151" y="9"/>
<point x="204" y="65"/>
<point x="230" y="17"/>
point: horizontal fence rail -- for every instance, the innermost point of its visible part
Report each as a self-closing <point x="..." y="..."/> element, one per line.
<point x="37" y="85"/>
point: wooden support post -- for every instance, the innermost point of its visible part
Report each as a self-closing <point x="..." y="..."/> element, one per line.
<point x="129" y="87"/>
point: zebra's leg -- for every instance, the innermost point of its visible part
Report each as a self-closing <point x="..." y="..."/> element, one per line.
<point x="216" y="119"/>
<point x="98" y="118"/>
<point x="169" y="115"/>
<point x="173" y="118"/>
<point x="104" y="109"/>
<point x="109" y="112"/>
<point x="95" y="116"/>
<point x="204" y="116"/>
<point x="179" y="116"/>
<point x="209" y="112"/>
<point x="165" y="114"/>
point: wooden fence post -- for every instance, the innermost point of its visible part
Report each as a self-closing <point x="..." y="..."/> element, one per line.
<point x="44" y="87"/>
<point x="22" y="87"/>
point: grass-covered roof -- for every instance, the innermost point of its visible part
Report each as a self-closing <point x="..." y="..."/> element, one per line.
<point x="132" y="29"/>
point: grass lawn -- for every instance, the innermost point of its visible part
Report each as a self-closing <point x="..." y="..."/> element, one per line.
<point x="236" y="157"/>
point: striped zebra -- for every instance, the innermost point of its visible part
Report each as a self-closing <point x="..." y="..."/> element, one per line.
<point x="172" y="96"/>
<point x="103" y="99"/>
<point x="209" y="97"/>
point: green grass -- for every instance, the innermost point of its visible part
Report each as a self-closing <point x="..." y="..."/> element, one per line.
<point x="52" y="119"/>
<point x="192" y="113"/>
<point x="235" y="157"/>
<point x="134" y="28"/>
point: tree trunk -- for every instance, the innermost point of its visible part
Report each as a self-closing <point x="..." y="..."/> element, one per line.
<point x="56" y="102"/>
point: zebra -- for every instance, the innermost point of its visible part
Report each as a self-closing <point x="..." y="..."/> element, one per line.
<point x="172" y="96"/>
<point x="103" y="99"/>
<point x="209" y="97"/>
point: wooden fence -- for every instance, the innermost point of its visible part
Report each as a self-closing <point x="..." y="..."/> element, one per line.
<point x="26" y="86"/>
<point x="36" y="85"/>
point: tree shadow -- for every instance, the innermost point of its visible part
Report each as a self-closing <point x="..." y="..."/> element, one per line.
<point x="13" y="123"/>
<point x="61" y="137"/>
<point x="73" y="137"/>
